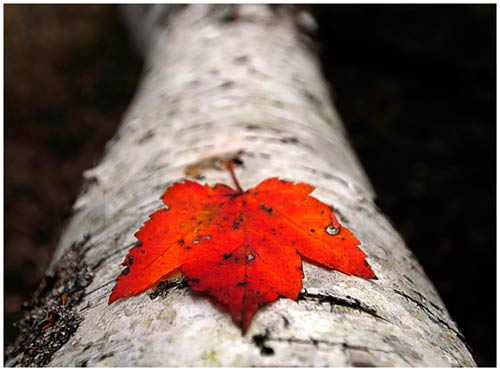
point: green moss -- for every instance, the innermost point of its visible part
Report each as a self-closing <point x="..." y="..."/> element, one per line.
<point x="147" y="321"/>
<point x="171" y="317"/>
<point x="210" y="356"/>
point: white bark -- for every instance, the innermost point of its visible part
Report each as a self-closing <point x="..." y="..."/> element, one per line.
<point x="213" y="86"/>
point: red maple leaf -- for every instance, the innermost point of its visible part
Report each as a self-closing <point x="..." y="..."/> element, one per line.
<point x="243" y="248"/>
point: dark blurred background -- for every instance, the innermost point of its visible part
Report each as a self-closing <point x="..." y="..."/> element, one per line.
<point x="415" y="85"/>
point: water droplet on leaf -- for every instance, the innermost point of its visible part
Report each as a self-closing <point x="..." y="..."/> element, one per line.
<point x="332" y="231"/>
<point x="252" y="255"/>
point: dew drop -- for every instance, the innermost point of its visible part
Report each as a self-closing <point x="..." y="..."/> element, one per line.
<point x="332" y="231"/>
<point x="252" y="255"/>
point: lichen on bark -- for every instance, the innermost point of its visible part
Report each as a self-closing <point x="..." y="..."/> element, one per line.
<point x="50" y="317"/>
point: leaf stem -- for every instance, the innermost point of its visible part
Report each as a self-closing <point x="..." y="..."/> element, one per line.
<point x="335" y="221"/>
<point x="230" y="167"/>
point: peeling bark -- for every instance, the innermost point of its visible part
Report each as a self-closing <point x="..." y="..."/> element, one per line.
<point x="243" y="81"/>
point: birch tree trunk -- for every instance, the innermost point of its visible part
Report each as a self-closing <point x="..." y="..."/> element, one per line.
<point x="225" y="82"/>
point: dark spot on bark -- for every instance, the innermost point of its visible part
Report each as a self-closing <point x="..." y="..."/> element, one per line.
<point x="194" y="83"/>
<point x="146" y="137"/>
<point x="237" y="160"/>
<point x="227" y="84"/>
<point x="278" y="103"/>
<point x="289" y="140"/>
<point x="286" y="322"/>
<point x="82" y="363"/>
<point x="312" y="98"/>
<point x="225" y="13"/>
<point x="242" y="59"/>
<point x="227" y="256"/>
<point x="362" y="364"/>
<point x="260" y="342"/>
<point x="267" y="351"/>
<point x="253" y="127"/>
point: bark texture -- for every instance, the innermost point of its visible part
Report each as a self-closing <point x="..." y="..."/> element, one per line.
<point x="223" y="81"/>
